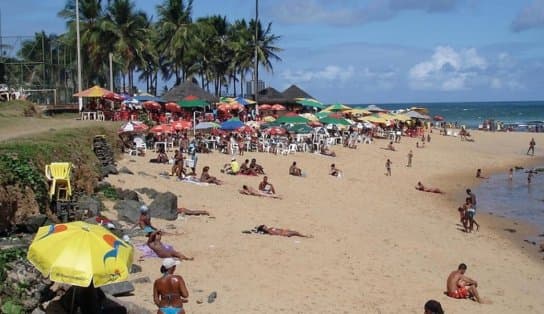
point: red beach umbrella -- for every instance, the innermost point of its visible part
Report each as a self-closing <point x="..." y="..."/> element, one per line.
<point x="246" y="129"/>
<point x="236" y="106"/>
<point x="172" y="107"/>
<point x="276" y="131"/>
<point x="277" y="107"/>
<point x="161" y="128"/>
<point x="224" y="107"/>
<point x="290" y="114"/>
<point x="265" y="107"/>
<point x="438" y="118"/>
<point x="152" y="105"/>
<point x="134" y="127"/>
<point x="113" y="96"/>
<point x="182" y="125"/>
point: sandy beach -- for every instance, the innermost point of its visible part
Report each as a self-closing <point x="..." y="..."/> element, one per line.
<point x="379" y="245"/>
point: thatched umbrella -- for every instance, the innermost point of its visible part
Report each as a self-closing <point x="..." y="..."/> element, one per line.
<point x="271" y="95"/>
<point x="185" y="89"/>
<point x="293" y="92"/>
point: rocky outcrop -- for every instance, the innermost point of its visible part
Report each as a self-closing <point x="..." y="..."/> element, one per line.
<point x="165" y="206"/>
<point x="104" y="152"/>
<point x="128" y="210"/>
<point x="17" y="205"/>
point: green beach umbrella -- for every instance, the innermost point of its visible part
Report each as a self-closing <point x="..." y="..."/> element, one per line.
<point x="337" y="121"/>
<point x="190" y="102"/>
<point x="337" y="107"/>
<point x="292" y="120"/>
<point x="300" y="129"/>
<point x="310" y="102"/>
<point x="322" y="114"/>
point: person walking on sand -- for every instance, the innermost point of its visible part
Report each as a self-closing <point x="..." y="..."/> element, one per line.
<point x="531" y="149"/>
<point x="388" y="167"/>
<point x="460" y="286"/>
<point x="170" y="291"/>
<point x="410" y="156"/>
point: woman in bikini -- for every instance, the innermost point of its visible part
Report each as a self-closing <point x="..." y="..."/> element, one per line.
<point x="170" y="291"/>
<point x="263" y="229"/>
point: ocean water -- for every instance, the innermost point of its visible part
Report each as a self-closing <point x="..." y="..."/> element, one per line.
<point x="513" y="199"/>
<point x="472" y="114"/>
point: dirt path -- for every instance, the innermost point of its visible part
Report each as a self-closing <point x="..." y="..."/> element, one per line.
<point x="24" y="127"/>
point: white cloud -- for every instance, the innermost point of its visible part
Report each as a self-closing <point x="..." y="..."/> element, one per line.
<point x="447" y="69"/>
<point x="328" y="73"/>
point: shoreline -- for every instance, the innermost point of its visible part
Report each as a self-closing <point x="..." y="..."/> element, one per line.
<point x="498" y="224"/>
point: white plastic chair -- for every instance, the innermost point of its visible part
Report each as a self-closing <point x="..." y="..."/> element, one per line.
<point x="140" y="144"/>
<point x="292" y="148"/>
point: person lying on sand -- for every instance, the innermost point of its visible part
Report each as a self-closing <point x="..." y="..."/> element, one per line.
<point x="207" y="178"/>
<point x="263" y="229"/>
<point x="327" y="152"/>
<point x="247" y="190"/>
<point x="192" y="212"/>
<point x="256" y="167"/>
<point x="335" y="172"/>
<point x="266" y="186"/>
<point x="154" y="243"/>
<point x="421" y="187"/>
<point x="460" y="286"/>
<point x="294" y="170"/>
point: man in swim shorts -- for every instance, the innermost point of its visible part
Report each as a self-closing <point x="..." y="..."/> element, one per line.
<point x="266" y="186"/>
<point x="460" y="286"/>
<point x="169" y="291"/>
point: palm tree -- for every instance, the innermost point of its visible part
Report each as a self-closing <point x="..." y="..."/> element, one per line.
<point x="264" y="43"/>
<point x="241" y="46"/>
<point x="127" y="32"/>
<point x="174" y="29"/>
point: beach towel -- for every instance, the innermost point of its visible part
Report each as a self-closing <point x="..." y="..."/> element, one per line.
<point x="194" y="180"/>
<point x="148" y="252"/>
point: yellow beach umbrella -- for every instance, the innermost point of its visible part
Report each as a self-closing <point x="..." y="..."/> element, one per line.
<point x="309" y="116"/>
<point x="358" y="112"/>
<point x="95" y="91"/>
<point x="77" y="253"/>
<point x="269" y="119"/>
<point x="375" y="119"/>
<point x="402" y="118"/>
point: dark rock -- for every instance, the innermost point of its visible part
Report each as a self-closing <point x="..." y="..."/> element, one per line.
<point x="165" y="206"/>
<point x="141" y="280"/>
<point x="118" y="288"/>
<point x="32" y="224"/>
<point x="510" y="230"/>
<point x="91" y="204"/>
<point x="25" y="284"/>
<point x="212" y="297"/>
<point x="125" y="170"/>
<point x="128" y="210"/>
<point x="128" y="195"/>
<point x="135" y="269"/>
<point x="151" y="193"/>
<point x="102" y="185"/>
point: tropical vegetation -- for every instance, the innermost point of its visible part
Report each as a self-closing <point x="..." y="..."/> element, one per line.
<point x="173" y="46"/>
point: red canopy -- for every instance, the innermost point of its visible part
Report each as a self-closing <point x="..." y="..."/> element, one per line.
<point x="277" y="107"/>
<point x="172" y="107"/>
<point x="113" y="96"/>
<point x="161" y="128"/>
<point x="276" y="131"/>
<point x="265" y="107"/>
<point x="246" y="129"/>
<point x="152" y="105"/>
<point x="182" y="125"/>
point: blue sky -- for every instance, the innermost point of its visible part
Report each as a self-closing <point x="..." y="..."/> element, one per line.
<point x="376" y="51"/>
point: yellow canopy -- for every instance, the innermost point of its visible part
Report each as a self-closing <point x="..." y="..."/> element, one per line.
<point x="269" y="119"/>
<point x="401" y="117"/>
<point x="375" y="119"/>
<point x="309" y="116"/>
<point x="95" y="91"/>
<point x="358" y="111"/>
<point x="77" y="252"/>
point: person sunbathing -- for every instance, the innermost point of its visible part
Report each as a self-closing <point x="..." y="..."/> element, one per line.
<point x="263" y="229"/>
<point x="246" y="169"/>
<point x="256" y="167"/>
<point x="155" y="244"/>
<point x="247" y="190"/>
<point x="421" y="187"/>
<point x="161" y="157"/>
<point x="266" y="186"/>
<point x="207" y="178"/>
<point x="192" y="212"/>
<point x="391" y="147"/>
<point x="294" y="170"/>
<point x="327" y="152"/>
<point x="335" y="172"/>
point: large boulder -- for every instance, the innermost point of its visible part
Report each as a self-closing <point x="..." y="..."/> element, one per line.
<point x="32" y="224"/>
<point x="151" y="193"/>
<point x="128" y="195"/>
<point x="128" y="210"/>
<point x="25" y="284"/>
<point x="91" y="204"/>
<point x="165" y="206"/>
